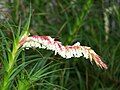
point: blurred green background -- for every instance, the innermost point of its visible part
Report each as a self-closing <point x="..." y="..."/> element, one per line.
<point x="94" y="23"/>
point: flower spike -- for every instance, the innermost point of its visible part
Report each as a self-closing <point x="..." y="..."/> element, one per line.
<point x="76" y="50"/>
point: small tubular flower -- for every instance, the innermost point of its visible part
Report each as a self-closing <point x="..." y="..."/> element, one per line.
<point x="76" y="50"/>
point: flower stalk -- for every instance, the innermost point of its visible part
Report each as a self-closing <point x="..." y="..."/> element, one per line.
<point x="18" y="40"/>
<point x="76" y="50"/>
<point x="11" y="58"/>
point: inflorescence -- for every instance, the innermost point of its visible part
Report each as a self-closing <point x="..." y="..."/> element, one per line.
<point x="76" y="50"/>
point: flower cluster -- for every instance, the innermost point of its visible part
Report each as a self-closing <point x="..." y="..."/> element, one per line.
<point x="76" y="50"/>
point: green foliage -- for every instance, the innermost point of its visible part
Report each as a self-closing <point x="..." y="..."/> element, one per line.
<point x="68" y="21"/>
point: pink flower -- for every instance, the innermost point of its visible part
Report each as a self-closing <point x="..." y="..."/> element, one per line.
<point x="23" y="39"/>
<point x="46" y="42"/>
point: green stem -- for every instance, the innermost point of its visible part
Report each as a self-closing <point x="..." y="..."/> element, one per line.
<point x="80" y="20"/>
<point x="9" y="70"/>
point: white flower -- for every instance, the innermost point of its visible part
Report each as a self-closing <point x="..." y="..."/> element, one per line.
<point x="46" y="42"/>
